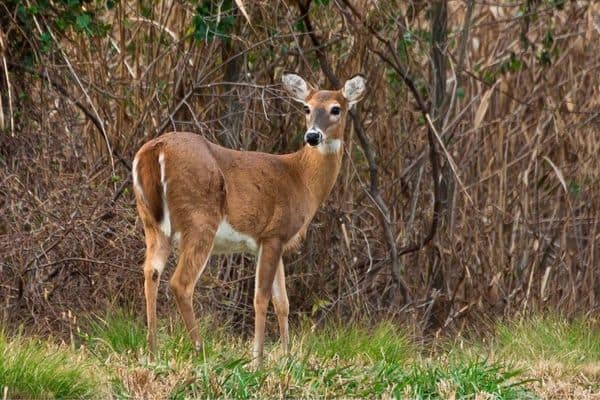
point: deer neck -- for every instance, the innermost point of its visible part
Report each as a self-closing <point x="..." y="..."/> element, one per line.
<point x="319" y="168"/>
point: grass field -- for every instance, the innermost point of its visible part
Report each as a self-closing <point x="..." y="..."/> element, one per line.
<point x="540" y="358"/>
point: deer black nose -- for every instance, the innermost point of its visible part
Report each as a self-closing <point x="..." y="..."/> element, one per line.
<point x="313" y="137"/>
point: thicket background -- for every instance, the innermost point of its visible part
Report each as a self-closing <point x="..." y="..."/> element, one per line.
<point x="506" y="92"/>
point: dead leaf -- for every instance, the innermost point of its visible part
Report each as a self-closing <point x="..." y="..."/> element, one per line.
<point x="483" y="107"/>
<point x="559" y="174"/>
<point x="242" y="8"/>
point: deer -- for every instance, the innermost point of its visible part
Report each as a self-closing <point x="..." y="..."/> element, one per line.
<point x="205" y="199"/>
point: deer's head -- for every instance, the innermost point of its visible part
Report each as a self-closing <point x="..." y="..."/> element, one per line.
<point x="325" y="109"/>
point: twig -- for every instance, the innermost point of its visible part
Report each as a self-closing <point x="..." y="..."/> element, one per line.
<point x="448" y="157"/>
<point x="87" y="96"/>
<point x="464" y="40"/>
<point x="80" y="259"/>
<point x="396" y="64"/>
<point x="62" y="90"/>
<point x="8" y="88"/>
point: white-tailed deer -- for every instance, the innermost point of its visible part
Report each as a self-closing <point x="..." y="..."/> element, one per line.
<point x="212" y="200"/>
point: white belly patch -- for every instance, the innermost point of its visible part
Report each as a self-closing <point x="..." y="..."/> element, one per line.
<point x="228" y="241"/>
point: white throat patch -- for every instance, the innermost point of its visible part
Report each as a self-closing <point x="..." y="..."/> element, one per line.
<point x="330" y="146"/>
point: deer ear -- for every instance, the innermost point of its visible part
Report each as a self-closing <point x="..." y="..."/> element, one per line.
<point x="296" y="87"/>
<point x="354" y="89"/>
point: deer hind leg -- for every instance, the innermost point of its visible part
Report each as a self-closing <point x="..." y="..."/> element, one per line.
<point x="281" y="305"/>
<point x="268" y="258"/>
<point x="157" y="253"/>
<point x="195" y="249"/>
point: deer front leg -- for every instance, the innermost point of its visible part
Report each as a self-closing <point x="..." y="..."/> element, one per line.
<point x="281" y="305"/>
<point x="268" y="258"/>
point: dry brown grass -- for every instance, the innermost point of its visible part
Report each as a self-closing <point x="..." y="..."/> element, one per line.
<point x="558" y="381"/>
<point x="520" y="235"/>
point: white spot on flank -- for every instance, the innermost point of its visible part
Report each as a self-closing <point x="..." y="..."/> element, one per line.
<point x="330" y="146"/>
<point x="228" y="240"/>
<point x="165" y="224"/>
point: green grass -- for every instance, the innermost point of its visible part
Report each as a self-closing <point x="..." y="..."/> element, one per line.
<point x="125" y="334"/>
<point x="550" y="338"/>
<point x="30" y="368"/>
<point x="231" y="378"/>
<point x="383" y="342"/>
<point x="336" y="361"/>
<point x="356" y="361"/>
<point x="119" y="332"/>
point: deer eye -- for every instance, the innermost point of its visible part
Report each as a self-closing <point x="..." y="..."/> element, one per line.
<point x="335" y="110"/>
<point x="306" y="109"/>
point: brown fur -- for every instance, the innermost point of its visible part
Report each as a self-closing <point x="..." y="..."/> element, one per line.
<point x="262" y="195"/>
<point x="148" y="171"/>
